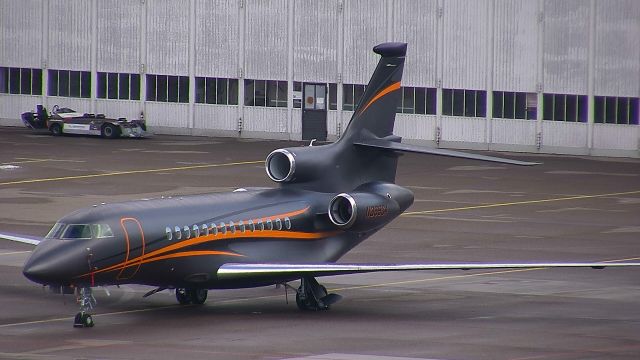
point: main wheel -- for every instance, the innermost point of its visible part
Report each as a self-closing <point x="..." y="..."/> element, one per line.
<point x="198" y="296"/>
<point x="183" y="296"/>
<point x="110" y="131"/>
<point x="55" y="129"/>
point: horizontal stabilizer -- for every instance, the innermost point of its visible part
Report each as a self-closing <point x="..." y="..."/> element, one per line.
<point x="232" y="271"/>
<point x="397" y="146"/>
<point x="21" y="238"/>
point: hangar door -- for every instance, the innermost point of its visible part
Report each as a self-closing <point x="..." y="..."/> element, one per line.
<point x="314" y="112"/>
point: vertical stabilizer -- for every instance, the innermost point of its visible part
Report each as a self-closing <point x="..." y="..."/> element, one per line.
<point x="376" y="111"/>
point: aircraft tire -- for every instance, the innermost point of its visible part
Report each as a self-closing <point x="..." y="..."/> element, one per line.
<point x="183" y="296"/>
<point x="198" y="296"/>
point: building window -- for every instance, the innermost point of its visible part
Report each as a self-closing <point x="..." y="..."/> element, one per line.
<point x="332" y="96"/>
<point x="270" y="93"/>
<point x="118" y="86"/>
<point x="563" y="107"/>
<point x="352" y="93"/>
<point x="23" y="81"/>
<point x="219" y="91"/>
<point x="416" y="100"/>
<point x="469" y="103"/>
<point x="168" y="88"/>
<point x="69" y="83"/>
<point x="515" y="105"/>
<point x="616" y="110"/>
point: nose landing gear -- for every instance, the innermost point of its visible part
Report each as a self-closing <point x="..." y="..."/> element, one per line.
<point x="87" y="302"/>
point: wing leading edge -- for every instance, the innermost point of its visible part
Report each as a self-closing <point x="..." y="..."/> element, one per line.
<point x="21" y="238"/>
<point x="233" y="271"/>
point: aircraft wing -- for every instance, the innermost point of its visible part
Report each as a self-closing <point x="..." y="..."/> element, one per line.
<point x="21" y="238"/>
<point x="397" y="146"/>
<point x="233" y="271"/>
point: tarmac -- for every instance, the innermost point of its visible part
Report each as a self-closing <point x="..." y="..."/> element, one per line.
<point x="569" y="208"/>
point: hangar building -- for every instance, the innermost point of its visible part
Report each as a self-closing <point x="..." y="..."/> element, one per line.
<point x="557" y="76"/>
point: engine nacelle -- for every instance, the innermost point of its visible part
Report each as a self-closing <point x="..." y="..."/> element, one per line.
<point x="298" y="164"/>
<point x="369" y="207"/>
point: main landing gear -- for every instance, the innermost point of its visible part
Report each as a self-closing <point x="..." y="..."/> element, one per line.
<point x="195" y="296"/>
<point x="311" y="296"/>
<point x="87" y="302"/>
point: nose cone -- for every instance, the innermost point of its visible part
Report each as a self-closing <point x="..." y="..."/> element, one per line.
<point x="52" y="262"/>
<point x="37" y="271"/>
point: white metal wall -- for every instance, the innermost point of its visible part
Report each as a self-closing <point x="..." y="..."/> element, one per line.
<point x="515" y="45"/>
<point x="217" y="38"/>
<point x="168" y="37"/>
<point x="119" y="36"/>
<point x="566" y="45"/>
<point x="21" y="28"/>
<point x="315" y="43"/>
<point x="617" y="48"/>
<point x="584" y="47"/>
<point x="465" y="44"/>
<point x="69" y="34"/>
<point x="266" y="39"/>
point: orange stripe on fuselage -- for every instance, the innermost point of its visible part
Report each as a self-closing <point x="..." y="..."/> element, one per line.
<point x="393" y="87"/>
<point x="282" y="234"/>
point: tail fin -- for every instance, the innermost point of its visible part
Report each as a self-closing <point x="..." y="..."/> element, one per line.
<point x="376" y="111"/>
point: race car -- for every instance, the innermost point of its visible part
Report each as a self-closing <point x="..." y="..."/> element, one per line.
<point x="68" y="121"/>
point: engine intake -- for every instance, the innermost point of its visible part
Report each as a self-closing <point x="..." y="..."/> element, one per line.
<point x="343" y="210"/>
<point x="362" y="211"/>
<point x="280" y="165"/>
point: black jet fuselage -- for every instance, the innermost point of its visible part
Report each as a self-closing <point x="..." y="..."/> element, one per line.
<point x="182" y="241"/>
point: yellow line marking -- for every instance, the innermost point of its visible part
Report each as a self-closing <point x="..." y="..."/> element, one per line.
<point x="15" y="252"/>
<point x="526" y="202"/>
<point x="117" y="173"/>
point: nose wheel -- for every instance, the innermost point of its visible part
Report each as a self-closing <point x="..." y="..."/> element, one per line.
<point x="87" y="302"/>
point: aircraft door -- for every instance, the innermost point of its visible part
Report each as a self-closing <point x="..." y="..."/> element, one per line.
<point x="134" y="245"/>
<point x="314" y="112"/>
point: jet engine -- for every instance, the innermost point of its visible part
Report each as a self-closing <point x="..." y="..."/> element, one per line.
<point x="299" y="164"/>
<point x="364" y="210"/>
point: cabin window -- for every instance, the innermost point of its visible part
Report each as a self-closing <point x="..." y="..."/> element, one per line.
<point x="260" y="225"/>
<point x="55" y="231"/>
<point x="77" y="231"/>
<point x="241" y="226"/>
<point x="186" y="231"/>
<point x="251" y="226"/>
<point x="269" y="224"/>
<point x="278" y="224"/>
<point x="232" y="227"/>
<point x="223" y="228"/>
<point x="169" y="233"/>
<point x="196" y="231"/>
<point x="178" y="232"/>
<point x="204" y="230"/>
<point x="101" y="231"/>
<point x="287" y="223"/>
<point x="214" y="229"/>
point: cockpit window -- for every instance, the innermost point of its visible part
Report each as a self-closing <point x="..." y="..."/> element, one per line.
<point x="55" y="231"/>
<point x="77" y="231"/>
<point x="101" y="231"/>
